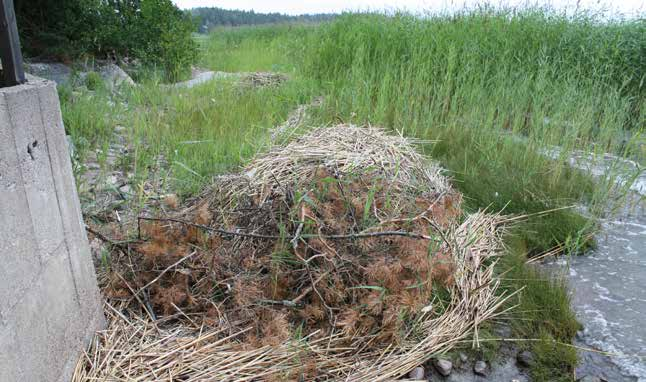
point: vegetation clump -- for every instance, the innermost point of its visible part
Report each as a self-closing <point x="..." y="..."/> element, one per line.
<point x="345" y="235"/>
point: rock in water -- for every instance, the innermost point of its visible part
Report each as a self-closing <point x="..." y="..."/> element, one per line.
<point x="480" y="368"/>
<point x="589" y="378"/>
<point x="525" y="358"/>
<point x="443" y="366"/>
<point x="416" y="374"/>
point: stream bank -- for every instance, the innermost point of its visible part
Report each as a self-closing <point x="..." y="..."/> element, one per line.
<point x="607" y="284"/>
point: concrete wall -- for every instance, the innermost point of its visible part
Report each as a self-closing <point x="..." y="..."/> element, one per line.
<point x="49" y="301"/>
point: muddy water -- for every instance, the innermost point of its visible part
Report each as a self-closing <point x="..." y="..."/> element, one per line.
<point x="609" y="288"/>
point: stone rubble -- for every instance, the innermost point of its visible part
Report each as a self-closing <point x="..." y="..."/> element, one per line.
<point x="525" y="358"/>
<point x="417" y="374"/>
<point x="480" y="368"/>
<point x="443" y="366"/>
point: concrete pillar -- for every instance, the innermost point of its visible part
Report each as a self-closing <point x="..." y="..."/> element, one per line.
<point x="49" y="301"/>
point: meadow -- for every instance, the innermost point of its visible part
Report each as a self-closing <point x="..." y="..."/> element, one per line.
<point x="490" y="91"/>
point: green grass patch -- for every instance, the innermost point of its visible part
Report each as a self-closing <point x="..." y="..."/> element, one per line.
<point x="211" y="129"/>
<point x="542" y="314"/>
<point x="201" y="132"/>
<point x="277" y="48"/>
<point x="89" y="118"/>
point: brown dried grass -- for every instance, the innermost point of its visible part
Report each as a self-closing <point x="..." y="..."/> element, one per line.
<point x="341" y="256"/>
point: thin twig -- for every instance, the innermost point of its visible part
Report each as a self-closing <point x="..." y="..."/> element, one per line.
<point x="362" y="235"/>
<point x="166" y="270"/>
<point x="150" y="313"/>
<point x="310" y="288"/>
<point x="122" y="245"/>
<point x="288" y="303"/>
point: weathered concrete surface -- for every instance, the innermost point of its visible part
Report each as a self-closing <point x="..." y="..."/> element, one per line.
<point x="49" y="301"/>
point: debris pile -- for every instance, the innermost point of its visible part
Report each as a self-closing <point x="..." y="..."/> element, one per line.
<point x="341" y="255"/>
<point x="261" y="79"/>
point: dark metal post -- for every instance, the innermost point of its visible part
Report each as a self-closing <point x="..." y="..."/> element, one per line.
<point x="12" y="69"/>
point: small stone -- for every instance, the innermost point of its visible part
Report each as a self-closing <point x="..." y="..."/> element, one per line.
<point x="463" y="358"/>
<point x="125" y="189"/>
<point x="480" y="368"/>
<point x="416" y="374"/>
<point x="443" y="366"/>
<point x="503" y="331"/>
<point x="525" y="358"/>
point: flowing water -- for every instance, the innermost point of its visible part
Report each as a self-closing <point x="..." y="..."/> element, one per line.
<point x="609" y="286"/>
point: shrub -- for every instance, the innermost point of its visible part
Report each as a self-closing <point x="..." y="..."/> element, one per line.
<point x="154" y="31"/>
<point x="164" y="37"/>
<point x="52" y="29"/>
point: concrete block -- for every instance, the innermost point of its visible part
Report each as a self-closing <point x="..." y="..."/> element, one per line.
<point x="68" y="201"/>
<point x="50" y="305"/>
<point x="26" y="122"/>
<point x="19" y="256"/>
<point x="40" y="330"/>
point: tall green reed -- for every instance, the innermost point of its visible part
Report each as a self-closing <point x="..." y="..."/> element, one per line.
<point x="496" y="90"/>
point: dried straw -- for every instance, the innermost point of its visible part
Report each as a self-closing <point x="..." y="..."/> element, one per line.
<point x="137" y="348"/>
<point x="346" y="150"/>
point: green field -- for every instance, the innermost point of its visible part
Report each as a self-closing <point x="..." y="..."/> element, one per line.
<point x="491" y="90"/>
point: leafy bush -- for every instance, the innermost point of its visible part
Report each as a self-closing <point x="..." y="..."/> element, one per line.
<point x="164" y="37"/>
<point x="153" y="31"/>
<point x="52" y="29"/>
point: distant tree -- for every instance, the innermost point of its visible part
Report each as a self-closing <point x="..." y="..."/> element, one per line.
<point x="214" y="17"/>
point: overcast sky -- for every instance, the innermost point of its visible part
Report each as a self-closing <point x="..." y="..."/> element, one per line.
<point x="627" y="7"/>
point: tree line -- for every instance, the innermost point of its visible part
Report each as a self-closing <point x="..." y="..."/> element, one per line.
<point x="210" y="18"/>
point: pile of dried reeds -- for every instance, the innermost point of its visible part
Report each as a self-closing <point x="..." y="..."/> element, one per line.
<point x="345" y="150"/>
<point x="260" y="79"/>
<point x="341" y="256"/>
